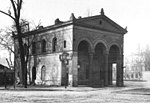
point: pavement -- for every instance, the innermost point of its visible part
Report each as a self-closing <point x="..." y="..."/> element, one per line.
<point x="129" y="85"/>
<point x="132" y="92"/>
<point x="51" y="88"/>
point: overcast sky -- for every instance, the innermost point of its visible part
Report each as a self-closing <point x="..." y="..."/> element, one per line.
<point x="135" y="14"/>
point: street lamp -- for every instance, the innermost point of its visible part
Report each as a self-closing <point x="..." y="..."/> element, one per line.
<point x="65" y="57"/>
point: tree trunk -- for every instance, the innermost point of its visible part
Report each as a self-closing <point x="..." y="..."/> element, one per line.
<point x="22" y="55"/>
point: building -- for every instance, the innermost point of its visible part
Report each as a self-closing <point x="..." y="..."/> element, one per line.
<point x="6" y="75"/>
<point x="93" y="45"/>
<point x="134" y="67"/>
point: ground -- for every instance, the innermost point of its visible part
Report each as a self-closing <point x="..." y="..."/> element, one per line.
<point x="133" y="92"/>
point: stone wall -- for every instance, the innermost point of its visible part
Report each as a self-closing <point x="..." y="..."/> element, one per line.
<point x="53" y="69"/>
<point x="49" y="59"/>
<point x="98" y="69"/>
<point x="96" y="36"/>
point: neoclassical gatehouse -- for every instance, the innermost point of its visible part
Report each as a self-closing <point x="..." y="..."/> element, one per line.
<point x="94" y="46"/>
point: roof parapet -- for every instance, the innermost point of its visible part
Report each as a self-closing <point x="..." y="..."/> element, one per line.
<point x="72" y="17"/>
<point x="102" y="11"/>
<point x="79" y="17"/>
<point x="57" y="21"/>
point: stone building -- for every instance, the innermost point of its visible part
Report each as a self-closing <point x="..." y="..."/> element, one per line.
<point x="93" y="45"/>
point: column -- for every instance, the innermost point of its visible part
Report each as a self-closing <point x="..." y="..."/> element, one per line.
<point x="122" y="70"/>
<point x="91" y="68"/>
<point x="109" y="69"/>
<point x="75" y="69"/>
<point x="106" y="70"/>
<point x="119" y="81"/>
<point x="110" y="72"/>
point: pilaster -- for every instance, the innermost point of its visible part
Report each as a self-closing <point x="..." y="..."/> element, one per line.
<point x="74" y="69"/>
<point x="106" y="69"/>
<point x="119" y="81"/>
<point x="91" y="54"/>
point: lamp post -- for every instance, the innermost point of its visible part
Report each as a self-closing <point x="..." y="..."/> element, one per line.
<point x="64" y="57"/>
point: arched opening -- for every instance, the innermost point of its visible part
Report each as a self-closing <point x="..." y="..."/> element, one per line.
<point x="33" y="74"/>
<point x="25" y="49"/>
<point x="33" y="47"/>
<point x="114" y="63"/>
<point x="99" y="64"/>
<point x="83" y="62"/>
<point x="43" y="73"/>
<point x="43" y="46"/>
<point x="54" y="44"/>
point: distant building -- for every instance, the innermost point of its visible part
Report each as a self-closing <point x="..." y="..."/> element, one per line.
<point x="134" y="68"/>
<point x="6" y="74"/>
<point x="93" y="45"/>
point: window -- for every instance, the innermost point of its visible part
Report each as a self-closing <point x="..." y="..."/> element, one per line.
<point x="33" y="48"/>
<point x="43" y="46"/>
<point x="100" y="22"/>
<point x="25" y="49"/>
<point x="64" y="43"/>
<point x="43" y="72"/>
<point x="54" y="44"/>
<point x="33" y="73"/>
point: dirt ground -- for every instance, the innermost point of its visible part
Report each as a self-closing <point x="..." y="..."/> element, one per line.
<point x="133" y="92"/>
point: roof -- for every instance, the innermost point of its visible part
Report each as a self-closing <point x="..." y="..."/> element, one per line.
<point x="99" y="22"/>
<point x="2" y="66"/>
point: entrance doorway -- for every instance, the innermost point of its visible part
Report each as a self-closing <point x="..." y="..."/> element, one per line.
<point x="114" y="72"/>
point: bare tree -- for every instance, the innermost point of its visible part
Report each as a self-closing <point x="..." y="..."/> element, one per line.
<point x="146" y="56"/>
<point x="17" y="5"/>
<point x="7" y="43"/>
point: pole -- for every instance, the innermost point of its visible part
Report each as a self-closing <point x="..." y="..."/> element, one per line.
<point x="64" y="60"/>
<point x="65" y="74"/>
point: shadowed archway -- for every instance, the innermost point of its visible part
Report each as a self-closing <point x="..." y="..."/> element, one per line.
<point x="83" y="62"/>
<point x="114" y="64"/>
<point x="99" y="64"/>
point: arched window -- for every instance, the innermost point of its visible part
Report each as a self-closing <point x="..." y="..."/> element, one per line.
<point x="54" y="44"/>
<point x="33" y="47"/>
<point x="33" y="73"/>
<point x="25" y="49"/>
<point x="64" y="43"/>
<point x="43" y="72"/>
<point x="43" y="46"/>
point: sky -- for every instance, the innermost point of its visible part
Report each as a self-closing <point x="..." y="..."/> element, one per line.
<point x="135" y="14"/>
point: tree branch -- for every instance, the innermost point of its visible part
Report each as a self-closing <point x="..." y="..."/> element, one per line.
<point x="7" y="14"/>
<point x="10" y="58"/>
<point x="19" y="7"/>
<point x="14" y="7"/>
<point x="6" y="46"/>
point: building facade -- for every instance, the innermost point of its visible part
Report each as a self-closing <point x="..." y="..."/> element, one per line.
<point x="93" y="45"/>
